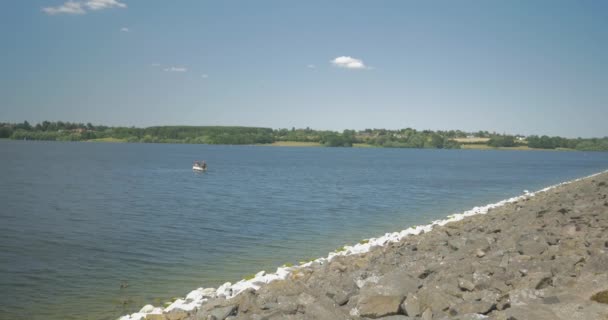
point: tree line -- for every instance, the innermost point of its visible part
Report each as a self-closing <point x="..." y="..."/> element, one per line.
<point x="402" y="138"/>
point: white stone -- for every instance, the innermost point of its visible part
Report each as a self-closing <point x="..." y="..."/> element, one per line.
<point x="147" y="309"/>
<point x="208" y="293"/>
<point x="195" y="295"/>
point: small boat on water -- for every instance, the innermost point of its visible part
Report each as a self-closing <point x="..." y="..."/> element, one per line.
<point x="199" y="166"/>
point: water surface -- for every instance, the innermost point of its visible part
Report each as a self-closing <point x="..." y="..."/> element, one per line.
<point x="80" y="219"/>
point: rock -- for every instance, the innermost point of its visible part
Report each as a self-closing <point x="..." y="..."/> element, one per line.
<point x="155" y="316"/>
<point x="536" y="281"/>
<point x="481" y="280"/>
<point x="465" y="284"/>
<point x="379" y="306"/>
<point x="322" y="309"/>
<point x="477" y="307"/>
<point x="480" y="253"/>
<point x="396" y="283"/>
<point x="208" y="293"/>
<point x="436" y="300"/>
<point x="427" y="314"/>
<point x="529" y="312"/>
<point x="471" y="316"/>
<point x="176" y="314"/>
<point x="457" y="243"/>
<point x="147" y="309"/>
<point x="222" y="312"/>
<point x="287" y="305"/>
<point x="597" y="264"/>
<point x="521" y="297"/>
<point x="411" y="305"/>
<point x="532" y="245"/>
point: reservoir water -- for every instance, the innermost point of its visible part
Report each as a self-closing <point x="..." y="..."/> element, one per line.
<point x="97" y="230"/>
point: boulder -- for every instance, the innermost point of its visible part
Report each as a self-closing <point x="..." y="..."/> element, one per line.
<point x="411" y="305"/>
<point x="465" y="284"/>
<point x="528" y="312"/>
<point x="477" y="307"/>
<point x="379" y="306"/>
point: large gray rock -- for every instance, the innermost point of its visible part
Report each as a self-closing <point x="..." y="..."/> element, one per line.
<point x="530" y="312"/>
<point x="436" y="300"/>
<point x="222" y="313"/>
<point x="379" y="306"/>
<point x="477" y="307"/>
<point x="411" y="305"/>
<point x="395" y="283"/>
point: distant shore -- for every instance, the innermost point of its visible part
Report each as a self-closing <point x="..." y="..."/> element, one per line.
<point x="302" y="137"/>
<point x="360" y="145"/>
<point x="527" y="257"/>
<point x="355" y="145"/>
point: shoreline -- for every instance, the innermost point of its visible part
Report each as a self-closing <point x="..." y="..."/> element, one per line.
<point x="199" y="298"/>
<point x="296" y="144"/>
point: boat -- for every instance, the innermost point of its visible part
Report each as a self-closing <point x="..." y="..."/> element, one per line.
<point x="199" y="166"/>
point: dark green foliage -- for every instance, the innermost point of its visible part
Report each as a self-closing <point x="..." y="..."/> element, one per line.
<point x="402" y="138"/>
<point x="502" y="141"/>
<point x="546" y="142"/>
<point x="5" y="131"/>
<point x="336" y="140"/>
<point x="411" y="138"/>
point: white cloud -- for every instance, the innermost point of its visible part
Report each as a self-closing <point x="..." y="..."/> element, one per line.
<point x="204" y="76"/>
<point x="176" y="69"/>
<point x="125" y="29"/>
<point x="80" y="7"/>
<point x="348" y="63"/>
<point x="311" y="66"/>
<point x="69" y="7"/>
<point x="104" y="4"/>
<point x="156" y="65"/>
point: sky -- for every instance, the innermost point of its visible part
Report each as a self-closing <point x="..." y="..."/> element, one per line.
<point x="519" y="67"/>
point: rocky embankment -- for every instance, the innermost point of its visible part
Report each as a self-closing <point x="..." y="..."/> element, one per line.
<point x="541" y="257"/>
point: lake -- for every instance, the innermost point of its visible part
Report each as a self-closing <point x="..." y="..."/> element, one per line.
<point x="97" y="230"/>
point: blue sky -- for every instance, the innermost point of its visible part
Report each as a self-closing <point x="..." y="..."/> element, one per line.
<point x="529" y="67"/>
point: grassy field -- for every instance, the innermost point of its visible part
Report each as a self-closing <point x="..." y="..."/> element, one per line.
<point x="471" y="140"/>
<point x="363" y="145"/>
<point x="312" y="144"/>
<point x="294" y="144"/>
<point x="107" y="140"/>
<point x="486" y="147"/>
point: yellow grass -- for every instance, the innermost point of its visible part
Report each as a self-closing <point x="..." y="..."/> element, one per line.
<point x="486" y="147"/>
<point x="295" y="144"/>
<point x="363" y="145"/>
<point x="107" y="140"/>
<point x="471" y="140"/>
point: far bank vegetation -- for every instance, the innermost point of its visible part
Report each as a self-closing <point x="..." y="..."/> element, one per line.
<point x="402" y="138"/>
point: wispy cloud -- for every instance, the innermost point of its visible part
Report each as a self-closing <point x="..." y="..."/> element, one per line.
<point x="176" y="69"/>
<point x="204" y="76"/>
<point x="81" y="7"/>
<point x="125" y="29"/>
<point x="69" y="7"/>
<point x="349" y="63"/>
<point x="104" y="4"/>
<point x="311" y="66"/>
<point x="156" y="65"/>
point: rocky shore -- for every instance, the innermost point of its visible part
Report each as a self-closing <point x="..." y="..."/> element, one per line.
<point x="539" y="256"/>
